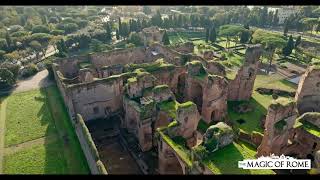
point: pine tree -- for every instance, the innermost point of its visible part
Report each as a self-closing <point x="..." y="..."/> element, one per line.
<point x="207" y="35"/>
<point x="213" y="34"/>
<point x="298" y="41"/>
<point x="289" y="47"/>
<point x="117" y="34"/>
<point x="286" y="28"/>
<point x="120" y="27"/>
<point x="108" y="32"/>
<point x="165" y="39"/>
<point x="9" y="40"/>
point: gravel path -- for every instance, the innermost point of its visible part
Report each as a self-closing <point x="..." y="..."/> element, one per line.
<point x="2" y="128"/>
<point x="35" y="82"/>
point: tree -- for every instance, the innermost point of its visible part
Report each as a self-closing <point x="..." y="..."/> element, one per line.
<point x="135" y="39"/>
<point x="165" y="38"/>
<point x="213" y="34"/>
<point x="36" y="47"/>
<point x="13" y="68"/>
<point x="70" y="27"/>
<point x="287" y="50"/>
<point x="207" y="35"/>
<point x="146" y="10"/>
<point x="108" y="32"/>
<point x="9" y="41"/>
<point x="156" y="20"/>
<point x="40" y="29"/>
<point x="96" y="46"/>
<point x="6" y="77"/>
<point x="120" y="31"/>
<point x="270" y="41"/>
<point x="245" y="36"/>
<point x="3" y="45"/>
<point x="117" y="34"/>
<point x="286" y="28"/>
<point x="62" y="48"/>
<point x="230" y="31"/>
<point x="298" y="41"/>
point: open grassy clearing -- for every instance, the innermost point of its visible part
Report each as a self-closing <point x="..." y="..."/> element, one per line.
<point x="60" y="151"/>
<point x="225" y="160"/>
<point x="39" y="159"/>
<point x="28" y="117"/>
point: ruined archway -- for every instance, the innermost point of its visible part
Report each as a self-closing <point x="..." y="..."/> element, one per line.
<point x="181" y="88"/>
<point x="196" y="95"/>
<point x="169" y="163"/>
<point x="212" y="115"/>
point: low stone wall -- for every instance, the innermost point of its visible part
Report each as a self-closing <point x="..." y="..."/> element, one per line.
<point x="88" y="147"/>
<point x="275" y="91"/>
<point x="255" y="138"/>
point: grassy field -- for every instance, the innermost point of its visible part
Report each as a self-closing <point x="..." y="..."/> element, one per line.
<point x="225" y="160"/>
<point x="274" y="81"/>
<point x="41" y="114"/>
<point x="28" y="117"/>
<point x="38" y="159"/>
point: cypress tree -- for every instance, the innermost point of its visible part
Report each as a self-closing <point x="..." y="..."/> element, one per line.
<point x="165" y="39"/>
<point x="213" y="34"/>
<point x="207" y="35"/>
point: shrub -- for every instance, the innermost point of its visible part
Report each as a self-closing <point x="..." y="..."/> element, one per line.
<point x="40" y="29"/>
<point x="29" y="70"/>
<point x="57" y="32"/>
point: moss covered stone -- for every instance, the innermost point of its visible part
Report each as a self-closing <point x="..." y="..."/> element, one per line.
<point x="282" y="102"/>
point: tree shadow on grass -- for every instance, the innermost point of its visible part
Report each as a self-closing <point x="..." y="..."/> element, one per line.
<point x="65" y="156"/>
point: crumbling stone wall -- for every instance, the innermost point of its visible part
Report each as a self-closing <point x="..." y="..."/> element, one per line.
<point x="241" y="87"/>
<point x="280" y="118"/>
<point x="85" y="75"/>
<point x="169" y="161"/>
<point x="184" y="48"/>
<point x="308" y="92"/>
<point x="209" y="92"/>
<point x="97" y="99"/>
<point x="151" y="34"/>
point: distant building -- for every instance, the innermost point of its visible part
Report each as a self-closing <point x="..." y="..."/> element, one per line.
<point x="284" y="12"/>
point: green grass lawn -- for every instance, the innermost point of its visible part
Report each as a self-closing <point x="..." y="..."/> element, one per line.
<point x="42" y="114"/>
<point x="27" y="118"/>
<point x="274" y="81"/>
<point x="225" y="160"/>
<point x="38" y="159"/>
<point x="259" y="101"/>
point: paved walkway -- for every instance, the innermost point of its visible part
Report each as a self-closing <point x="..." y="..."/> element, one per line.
<point x="2" y="129"/>
<point x="35" y="82"/>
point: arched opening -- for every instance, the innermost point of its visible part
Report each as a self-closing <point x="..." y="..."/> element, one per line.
<point x="212" y="115"/>
<point x="310" y="156"/>
<point x="314" y="146"/>
<point x="181" y="88"/>
<point x="196" y="95"/>
<point x="173" y="165"/>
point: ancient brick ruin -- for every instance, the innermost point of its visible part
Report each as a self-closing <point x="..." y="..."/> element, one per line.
<point x="292" y="127"/>
<point x="153" y="87"/>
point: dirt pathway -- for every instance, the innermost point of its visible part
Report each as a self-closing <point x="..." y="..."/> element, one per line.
<point x="2" y="128"/>
<point x="39" y="141"/>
